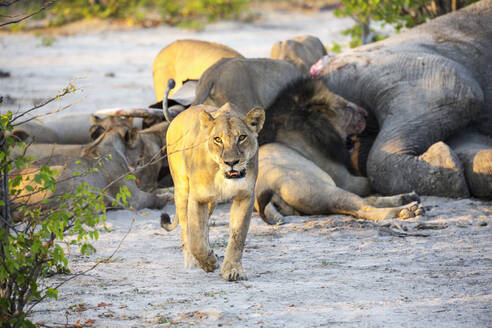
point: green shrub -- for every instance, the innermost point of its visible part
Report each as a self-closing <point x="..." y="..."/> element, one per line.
<point x="132" y="11"/>
<point x="32" y="233"/>
<point x="397" y="13"/>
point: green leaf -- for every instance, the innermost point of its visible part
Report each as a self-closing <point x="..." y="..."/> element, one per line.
<point x="52" y="293"/>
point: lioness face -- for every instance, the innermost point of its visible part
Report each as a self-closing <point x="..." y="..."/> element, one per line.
<point x="232" y="141"/>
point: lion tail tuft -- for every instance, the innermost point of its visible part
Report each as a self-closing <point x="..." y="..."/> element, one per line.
<point x="166" y="222"/>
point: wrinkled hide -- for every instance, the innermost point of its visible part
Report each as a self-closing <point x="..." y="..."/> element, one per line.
<point x="422" y="87"/>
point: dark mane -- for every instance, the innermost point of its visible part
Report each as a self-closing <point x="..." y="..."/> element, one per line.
<point x="291" y="110"/>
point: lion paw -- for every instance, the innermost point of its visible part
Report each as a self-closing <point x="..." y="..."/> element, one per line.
<point x="210" y="263"/>
<point x="233" y="272"/>
<point x="411" y="210"/>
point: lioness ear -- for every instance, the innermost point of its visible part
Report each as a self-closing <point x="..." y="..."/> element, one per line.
<point x="94" y="119"/>
<point x="205" y="119"/>
<point x="131" y="136"/>
<point x="255" y="119"/>
<point x="95" y="131"/>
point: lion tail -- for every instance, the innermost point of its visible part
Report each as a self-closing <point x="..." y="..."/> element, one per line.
<point x="166" y="222"/>
<point x="263" y="199"/>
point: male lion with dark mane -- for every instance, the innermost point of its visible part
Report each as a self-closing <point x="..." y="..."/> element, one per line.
<point x="302" y="163"/>
<point x="213" y="156"/>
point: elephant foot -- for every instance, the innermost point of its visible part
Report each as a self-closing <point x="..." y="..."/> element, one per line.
<point x="445" y="176"/>
<point x="478" y="171"/>
<point x="233" y="271"/>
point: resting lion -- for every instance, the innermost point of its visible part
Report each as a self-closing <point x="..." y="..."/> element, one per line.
<point x="213" y="156"/>
<point x="303" y="50"/>
<point x="185" y="60"/>
<point x="282" y="189"/>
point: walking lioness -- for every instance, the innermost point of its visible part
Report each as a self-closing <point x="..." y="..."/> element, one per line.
<point x="213" y="156"/>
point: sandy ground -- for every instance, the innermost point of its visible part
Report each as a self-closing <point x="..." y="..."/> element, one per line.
<point x="312" y="272"/>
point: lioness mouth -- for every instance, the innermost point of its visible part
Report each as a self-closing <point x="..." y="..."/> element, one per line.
<point x="233" y="174"/>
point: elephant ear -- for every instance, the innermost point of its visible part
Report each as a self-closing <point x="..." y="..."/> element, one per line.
<point x="255" y="119"/>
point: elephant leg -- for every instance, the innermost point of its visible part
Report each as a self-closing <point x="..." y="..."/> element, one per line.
<point x="396" y="163"/>
<point x="478" y="171"/>
<point x="475" y="152"/>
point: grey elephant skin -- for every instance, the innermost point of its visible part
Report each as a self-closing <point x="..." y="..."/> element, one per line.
<point x="424" y="89"/>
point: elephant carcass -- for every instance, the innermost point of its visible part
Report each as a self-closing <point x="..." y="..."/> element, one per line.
<point x="292" y="101"/>
<point x="310" y="126"/>
<point x="422" y="87"/>
<point x="185" y="60"/>
<point x="54" y="149"/>
<point x="112" y="154"/>
<point x="304" y="50"/>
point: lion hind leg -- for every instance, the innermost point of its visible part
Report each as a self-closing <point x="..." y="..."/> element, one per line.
<point x="181" y="194"/>
<point x="403" y="212"/>
<point x="392" y="201"/>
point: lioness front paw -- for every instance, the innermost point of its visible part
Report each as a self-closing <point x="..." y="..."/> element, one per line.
<point x="210" y="263"/>
<point x="411" y="210"/>
<point x="233" y="271"/>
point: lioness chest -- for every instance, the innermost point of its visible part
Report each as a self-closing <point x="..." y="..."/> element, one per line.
<point x="222" y="189"/>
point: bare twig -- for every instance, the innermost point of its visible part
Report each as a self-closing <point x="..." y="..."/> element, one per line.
<point x="51" y="112"/>
<point x="27" y="16"/>
<point x="63" y="93"/>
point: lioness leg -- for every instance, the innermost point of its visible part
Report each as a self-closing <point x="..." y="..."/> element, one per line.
<point x="329" y="199"/>
<point x="181" y="200"/>
<point x="198" y="228"/>
<point x="240" y="218"/>
<point x="392" y="201"/>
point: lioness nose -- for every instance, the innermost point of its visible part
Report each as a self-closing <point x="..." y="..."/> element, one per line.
<point x="232" y="163"/>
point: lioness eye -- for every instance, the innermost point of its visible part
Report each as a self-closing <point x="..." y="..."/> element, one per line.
<point x="242" y="137"/>
<point x="218" y="140"/>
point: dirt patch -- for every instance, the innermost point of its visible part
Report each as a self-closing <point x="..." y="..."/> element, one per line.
<point x="312" y="271"/>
